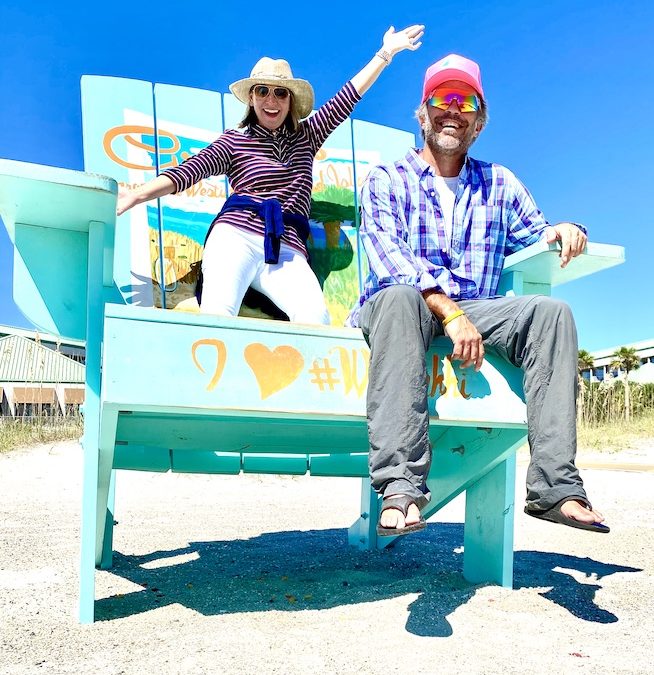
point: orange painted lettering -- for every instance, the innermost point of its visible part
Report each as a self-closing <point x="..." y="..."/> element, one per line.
<point x="221" y="359"/>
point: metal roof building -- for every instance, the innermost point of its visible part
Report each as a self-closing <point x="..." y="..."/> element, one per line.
<point x="75" y="349"/>
<point x="38" y="378"/>
<point x="24" y="360"/>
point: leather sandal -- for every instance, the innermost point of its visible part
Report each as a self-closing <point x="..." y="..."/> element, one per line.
<point x="555" y="515"/>
<point x="401" y="503"/>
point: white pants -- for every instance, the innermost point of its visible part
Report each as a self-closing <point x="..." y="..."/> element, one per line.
<point x="233" y="260"/>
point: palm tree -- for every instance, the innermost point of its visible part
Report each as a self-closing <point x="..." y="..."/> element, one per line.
<point x="626" y="359"/>
<point x="584" y="361"/>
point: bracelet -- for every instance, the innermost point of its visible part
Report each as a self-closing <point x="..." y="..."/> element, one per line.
<point x="384" y="56"/>
<point x="451" y="317"/>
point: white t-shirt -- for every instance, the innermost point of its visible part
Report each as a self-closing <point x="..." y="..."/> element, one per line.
<point x="446" y="188"/>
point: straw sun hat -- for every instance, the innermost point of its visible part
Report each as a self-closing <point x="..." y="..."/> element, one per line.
<point x="276" y="73"/>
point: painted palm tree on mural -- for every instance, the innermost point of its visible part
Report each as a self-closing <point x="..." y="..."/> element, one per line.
<point x="626" y="359"/>
<point x="331" y="207"/>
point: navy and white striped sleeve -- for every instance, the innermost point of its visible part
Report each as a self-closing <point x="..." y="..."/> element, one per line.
<point x="214" y="160"/>
<point x="331" y="114"/>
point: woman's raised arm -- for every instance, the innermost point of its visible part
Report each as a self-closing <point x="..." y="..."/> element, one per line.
<point x="392" y="43"/>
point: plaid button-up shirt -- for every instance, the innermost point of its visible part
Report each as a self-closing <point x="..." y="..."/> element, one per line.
<point x="404" y="236"/>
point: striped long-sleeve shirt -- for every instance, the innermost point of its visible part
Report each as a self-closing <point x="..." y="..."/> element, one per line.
<point x="266" y="165"/>
<point x="404" y="236"/>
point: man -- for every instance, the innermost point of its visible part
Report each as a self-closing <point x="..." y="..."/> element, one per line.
<point x="436" y="226"/>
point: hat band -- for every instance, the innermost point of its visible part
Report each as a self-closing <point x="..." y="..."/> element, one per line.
<point x="268" y="76"/>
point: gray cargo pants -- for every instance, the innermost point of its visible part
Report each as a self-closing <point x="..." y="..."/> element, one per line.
<point x="535" y="333"/>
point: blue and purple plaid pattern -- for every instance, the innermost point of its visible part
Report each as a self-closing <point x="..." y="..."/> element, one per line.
<point x="404" y="236"/>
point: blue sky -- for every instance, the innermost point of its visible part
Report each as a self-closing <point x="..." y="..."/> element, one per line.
<point x="569" y="84"/>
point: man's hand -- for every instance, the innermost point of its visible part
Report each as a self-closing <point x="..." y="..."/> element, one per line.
<point x="468" y="345"/>
<point x="573" y="240"/>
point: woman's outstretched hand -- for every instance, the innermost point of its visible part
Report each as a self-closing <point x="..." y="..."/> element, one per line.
<point x="126" y="199"/>
<point x="409" y="38"/>
<point x="157" y="187"/>
<point x="392" y="43"/>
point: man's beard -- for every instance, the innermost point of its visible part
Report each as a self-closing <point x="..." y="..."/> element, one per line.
<point x="444" y="144"/>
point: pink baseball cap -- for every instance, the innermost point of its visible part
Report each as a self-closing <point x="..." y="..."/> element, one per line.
<point x="452" y="67"/>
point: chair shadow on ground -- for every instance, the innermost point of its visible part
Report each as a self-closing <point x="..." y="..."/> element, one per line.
<point x="316" y="569"/>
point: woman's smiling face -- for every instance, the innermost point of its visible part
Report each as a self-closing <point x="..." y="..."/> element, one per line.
<point x="271" y="105"/>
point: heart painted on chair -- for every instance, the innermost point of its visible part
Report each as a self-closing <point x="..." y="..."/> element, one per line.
<point x="275" y="368"/>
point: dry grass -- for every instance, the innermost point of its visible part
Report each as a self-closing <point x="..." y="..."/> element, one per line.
<point x="605" y="437"/>
<point x="23" y="432"/>
<point x="616" y="436"/>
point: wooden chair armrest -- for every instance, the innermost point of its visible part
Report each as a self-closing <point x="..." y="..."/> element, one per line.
<point x="537" y="268"/>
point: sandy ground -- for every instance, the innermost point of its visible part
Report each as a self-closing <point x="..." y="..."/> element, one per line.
<point x="253" y="574"/>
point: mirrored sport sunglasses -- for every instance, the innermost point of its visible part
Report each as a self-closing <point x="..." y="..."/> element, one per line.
<point x="443" y="99"/>
<point x="262" y="90"/>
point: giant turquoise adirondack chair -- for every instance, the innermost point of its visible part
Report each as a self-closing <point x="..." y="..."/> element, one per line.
<point x="248" y="395"/>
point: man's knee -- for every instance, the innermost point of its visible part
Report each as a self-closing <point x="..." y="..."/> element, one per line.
<point x="398" y="313"/>
<point x="394" y="306"/>
<point x="552" y="312"/>
<point x="398" y="300"/>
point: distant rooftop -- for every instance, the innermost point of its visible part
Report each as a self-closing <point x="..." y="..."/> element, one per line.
<point x="603" y="358"/>
<point x="24" y="360"/>
<point x="43" y="337"/>
<point x="644" y="349"/>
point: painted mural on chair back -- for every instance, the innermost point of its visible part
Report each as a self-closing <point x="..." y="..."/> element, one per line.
<point x="134" y="129"/>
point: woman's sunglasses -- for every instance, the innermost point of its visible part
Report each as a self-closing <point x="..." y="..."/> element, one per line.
<point x="262" y="90"/>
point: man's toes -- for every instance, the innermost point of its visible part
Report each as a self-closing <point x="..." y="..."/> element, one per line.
<point x="392" y="518"/>
<point x="578" y="511"/>
<point x="599" y="518"/>
<point x="413" y="515"/>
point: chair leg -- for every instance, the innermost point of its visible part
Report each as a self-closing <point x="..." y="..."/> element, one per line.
<point x="363" y="533"/>
<point x="88" y="530"/>
<point x="93" y="499"/>
<point x="106" y="562"/>
<point x="97" y="511"/>
<point x="106" y="489"/>
<point x="488" y="534"/>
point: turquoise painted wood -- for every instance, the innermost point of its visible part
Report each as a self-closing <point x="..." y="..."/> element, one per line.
<point x="74" y="215"/>
<point x="245" y="395"/>
<point x="538" y="268"/>
<point x="42" y="211"/>
<point x="488" y="531"/>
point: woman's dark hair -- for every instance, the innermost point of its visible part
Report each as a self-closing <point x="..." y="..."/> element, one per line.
<point x="291" y="122"/>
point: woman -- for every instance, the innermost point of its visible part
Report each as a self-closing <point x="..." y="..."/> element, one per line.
<point x="259" y="237"/>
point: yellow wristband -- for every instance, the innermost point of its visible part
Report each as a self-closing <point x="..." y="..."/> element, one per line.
<point x="451" y="317"/>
